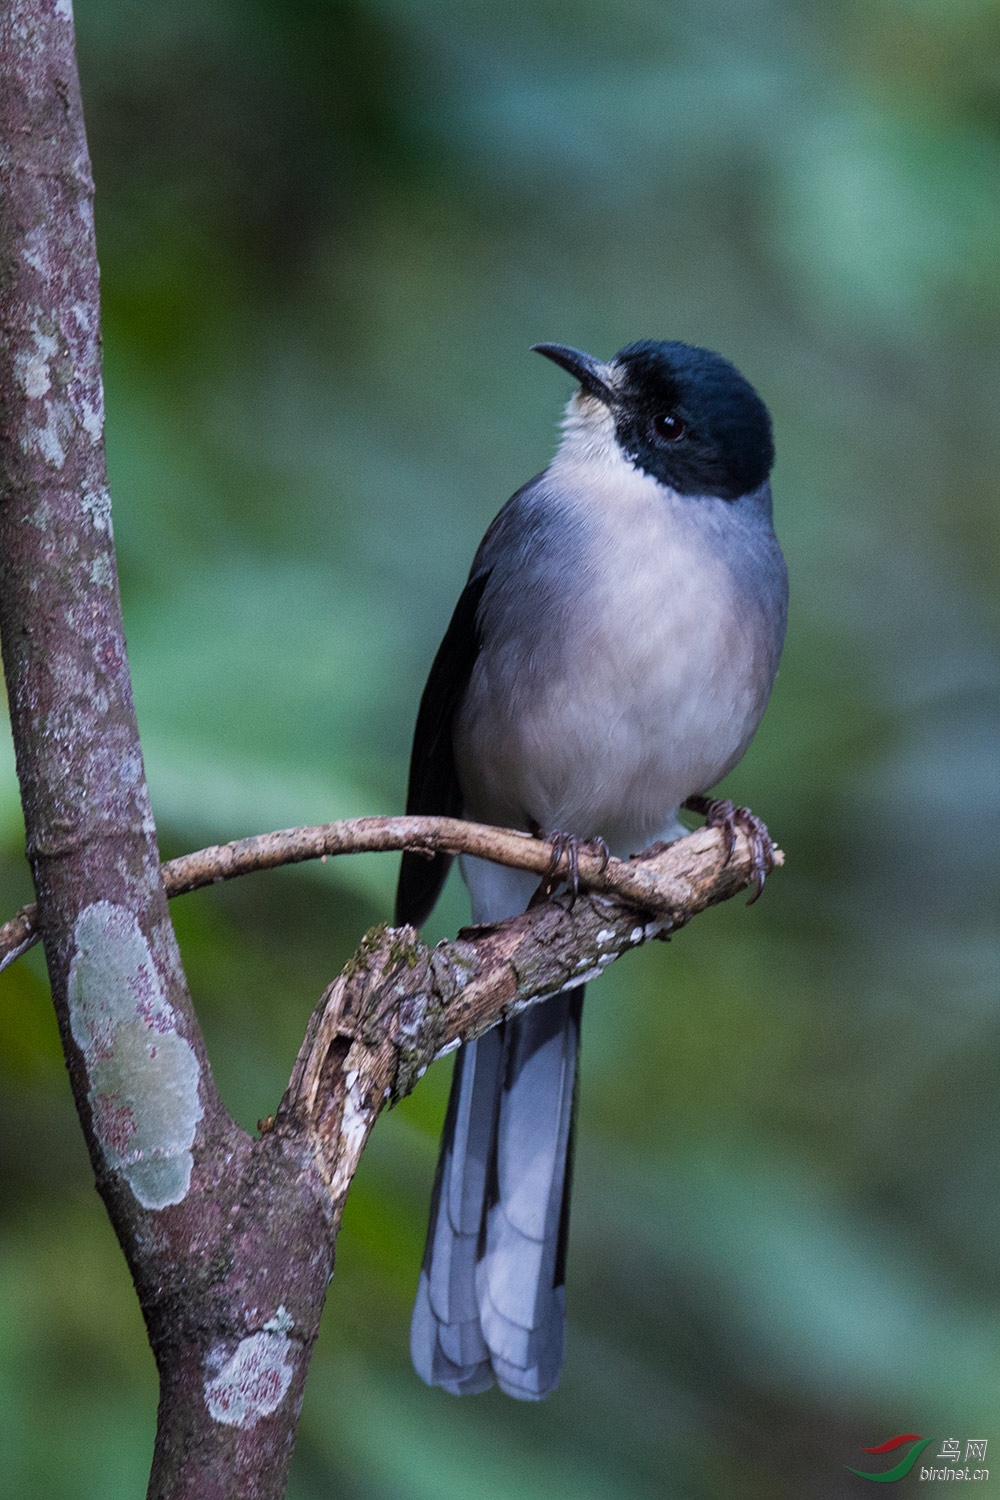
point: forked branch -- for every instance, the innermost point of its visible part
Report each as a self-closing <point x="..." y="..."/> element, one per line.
<point x="398" y="1005"/>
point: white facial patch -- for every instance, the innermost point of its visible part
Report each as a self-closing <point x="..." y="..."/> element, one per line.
<point x="588" y="435"/>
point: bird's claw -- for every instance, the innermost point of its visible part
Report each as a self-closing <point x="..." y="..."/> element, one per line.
<point x="727" y="818"/>
<point x="564" y="864"/>
<point x="600" y="850"/>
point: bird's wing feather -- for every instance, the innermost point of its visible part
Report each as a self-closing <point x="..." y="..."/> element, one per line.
<point x="433" y="787"/>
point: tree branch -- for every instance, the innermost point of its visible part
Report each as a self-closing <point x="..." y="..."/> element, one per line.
<point x="398" y="1005"/>
<point x="635" y="880"/>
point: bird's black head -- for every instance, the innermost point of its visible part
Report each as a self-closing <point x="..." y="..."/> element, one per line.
<point x="683" y="414"/>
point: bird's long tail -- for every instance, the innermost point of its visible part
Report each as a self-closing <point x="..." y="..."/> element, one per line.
<point x="491" y="1303"/>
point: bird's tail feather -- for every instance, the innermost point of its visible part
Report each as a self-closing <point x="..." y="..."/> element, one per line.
<point x="491" y="1305"/>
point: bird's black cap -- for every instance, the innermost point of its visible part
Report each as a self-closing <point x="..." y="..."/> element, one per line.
<point x="682" y="413"/>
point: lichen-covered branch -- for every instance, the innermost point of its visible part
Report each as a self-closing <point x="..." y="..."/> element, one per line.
<point x="636" y="880"/>
<point x="169" y="1163"/>
<point x="102" y="910"/>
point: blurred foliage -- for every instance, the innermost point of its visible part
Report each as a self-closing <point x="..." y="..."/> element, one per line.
<point x="329" y="230"/>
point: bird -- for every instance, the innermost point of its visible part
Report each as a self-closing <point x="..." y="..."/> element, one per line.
<point x="607" y="663"/>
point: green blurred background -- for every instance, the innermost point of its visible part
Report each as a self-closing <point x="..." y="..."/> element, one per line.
<point x="329" y="233"/>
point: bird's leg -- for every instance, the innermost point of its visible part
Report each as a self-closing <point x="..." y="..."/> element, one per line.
<point x="723" y="815"/>
<point x="564" y="864"/>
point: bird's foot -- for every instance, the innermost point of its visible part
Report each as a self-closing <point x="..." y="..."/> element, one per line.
<point x="564" y="863"/>
<point x="723" y="815"/>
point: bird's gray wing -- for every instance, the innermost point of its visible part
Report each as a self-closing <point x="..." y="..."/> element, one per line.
<point x="433" y="785"/>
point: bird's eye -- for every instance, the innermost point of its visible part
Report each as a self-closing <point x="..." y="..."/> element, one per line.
<point x="669" y="427"/>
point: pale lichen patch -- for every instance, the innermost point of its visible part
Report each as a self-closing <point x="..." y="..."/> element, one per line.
<point x="47" y="440"/>
<point x="40" y="368"/>
<point x="282" y="1322"/>
<point x="143" y="1076"/>
<point x="585" y="977"/>
<point x="97" y="504"/>
<point x="355" y="1124"/>
<point x="252" y="1382"/>
<point x="100" y="572"/>
<point x="31" y="366"/>
<point x="37" y="243"/>
<point x="411" y="1019"/>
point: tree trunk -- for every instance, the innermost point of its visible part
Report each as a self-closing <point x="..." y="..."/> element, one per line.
<point x="229" y="1243"/>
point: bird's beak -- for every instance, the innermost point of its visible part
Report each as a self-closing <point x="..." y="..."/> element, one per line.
<point x="592" y="375"/>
